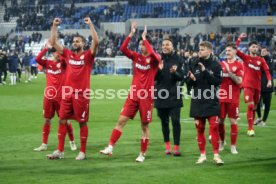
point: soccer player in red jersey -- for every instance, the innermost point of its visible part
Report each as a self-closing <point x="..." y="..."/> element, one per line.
<point x="140" y="98"/>
<point x="54" y="70"/>
<point x="230" y="95"/>
<point x="75" y="97"/>
<point x="253" y="67"/>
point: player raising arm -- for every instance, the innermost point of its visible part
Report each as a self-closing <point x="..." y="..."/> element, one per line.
<point x="145" y="67"/>
<point x="55" y="70"/>
<point x="78" y="68"/>
<point x="253" y="67"/>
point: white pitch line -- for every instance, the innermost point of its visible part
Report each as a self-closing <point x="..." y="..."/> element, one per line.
<point x="191" y="120"/>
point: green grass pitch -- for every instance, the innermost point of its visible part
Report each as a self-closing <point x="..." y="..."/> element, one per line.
<point x="21" y="123"/>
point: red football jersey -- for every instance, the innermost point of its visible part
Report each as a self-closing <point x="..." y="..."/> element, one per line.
<point x="144" y="70"/>
<point x="54" y="74"/>
<point x="78" y="69"/>
<point x="229" y="90"/>
<point x="253" y="67"/>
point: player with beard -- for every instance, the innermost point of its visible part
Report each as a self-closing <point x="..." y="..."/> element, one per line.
<point x="253" y="67"/>
<point x="75" y="104"/>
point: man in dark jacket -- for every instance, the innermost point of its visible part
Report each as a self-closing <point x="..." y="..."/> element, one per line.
<point x="168" y="99"/>
<point x="205" y="76"/>
<point x="13" y="64"/>
<point x="26" y="61"/>
<point x="3" y="67"/>
<point x="266" y="93"/>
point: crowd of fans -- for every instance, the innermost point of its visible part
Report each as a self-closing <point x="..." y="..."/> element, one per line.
<point x="35" y="17"/>
<point x="186" y="46"/>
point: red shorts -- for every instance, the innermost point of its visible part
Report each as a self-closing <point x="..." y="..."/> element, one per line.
<point x="50" y="106"/>
<point x="75" y="106"/>
<point x="251" y="95"/>
<point x="144" y="106"/>
<point x="230" y="109"/>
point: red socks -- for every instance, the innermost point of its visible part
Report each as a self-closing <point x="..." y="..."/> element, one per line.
<point x="200" y="135"/>
<point x="221" y="128"/>
<point x="115" y="135"/>
<point x="213" y="121"/>
<point x="45" y="132"/>
<point x="176" y="148"/>
<point x="83" y="138"/>
<point x="61" y="136"/>
<point x="144" y="145"/>
<point x="70" y="131"/>
<point x="168" y="146"/>
<point x="234" y="134"/>
<point x="250" y="116"/>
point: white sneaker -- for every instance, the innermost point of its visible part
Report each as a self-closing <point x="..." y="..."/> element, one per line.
<point x="73" y="145"/>
<point x="107" y="151"/>
<point x="201" y="159"/>
<point x="234" y="150"/>
<point x="81" y="156"/>
<point x="262" y="124"/>
<point x="221" y="145"/>
<point x="56" y="155"/>
<point x="218" y="160"/>
<point x="42" y="147"/>
<point x="141" y="157"/>
<point x="250" y="133"/>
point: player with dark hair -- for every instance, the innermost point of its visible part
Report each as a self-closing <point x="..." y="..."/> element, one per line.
<point x="266" y="93"/>
<point x="55" y="77"/>
<point x="78" y="69"/>
<point x="230" y="96"/>
<point x="169" y="77"/>
<point x="253" y="67"/>
<point x="145" y="66"/>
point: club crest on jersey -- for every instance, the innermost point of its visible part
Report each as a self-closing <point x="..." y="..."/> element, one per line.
<point x="82" y="57"/>
<point x="258" y="62"/>
<point x="246" y="97"/>
<point x="234" y="68"/>
<point x="58" y="65"/>
<point x="148" y="60"/>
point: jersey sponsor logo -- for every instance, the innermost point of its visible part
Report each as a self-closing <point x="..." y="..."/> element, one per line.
<point x="54" y="72"/>
<point x="77" y="63"/>
<point x="142" y="67"/>
<point x="254" y="67"/>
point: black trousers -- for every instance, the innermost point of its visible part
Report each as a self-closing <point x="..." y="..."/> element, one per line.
<point x="5" y="75"/>
<point x="165" y="114"/>
<point x="266" y="100"/>
<point x="19" y="72"/>
<point x="0" y="75"/>
<point x="34" y="70"/>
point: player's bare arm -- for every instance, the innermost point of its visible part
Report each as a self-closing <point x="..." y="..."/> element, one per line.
<point x="133" y="29"/>
<point x="53" y="40"/>
<point x="144" y="34"/>
<point x="95" y="39"/>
